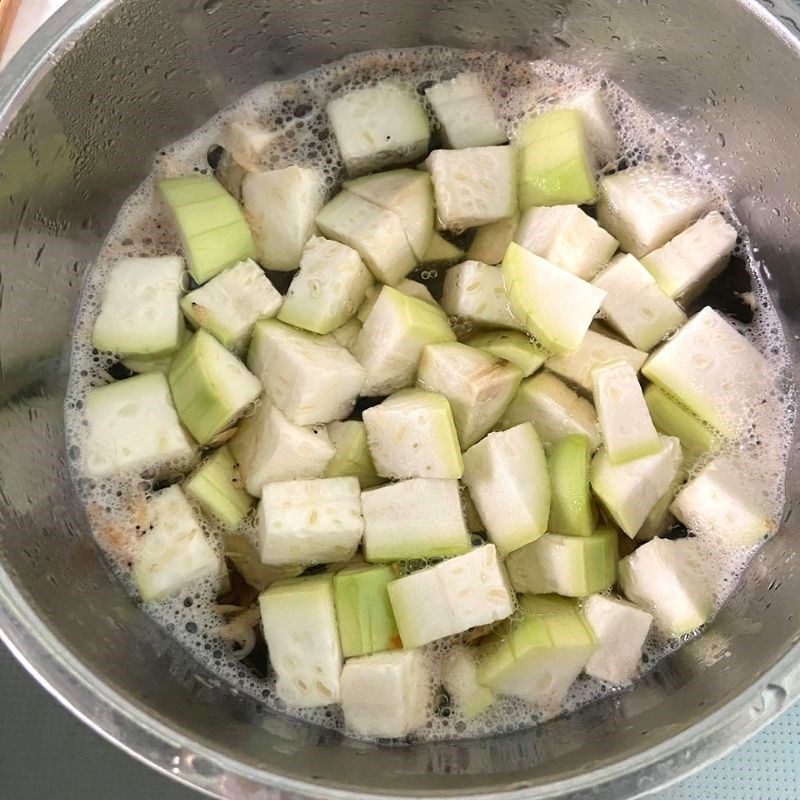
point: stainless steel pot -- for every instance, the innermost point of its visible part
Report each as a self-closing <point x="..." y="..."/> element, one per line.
<point x="83" y="108"/>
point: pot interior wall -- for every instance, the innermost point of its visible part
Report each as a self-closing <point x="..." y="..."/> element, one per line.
<point x="149" y="72"/>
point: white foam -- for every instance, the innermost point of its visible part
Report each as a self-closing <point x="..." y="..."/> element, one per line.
<point x="296" y="109"/>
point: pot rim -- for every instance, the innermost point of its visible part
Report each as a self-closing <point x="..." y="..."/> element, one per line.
<point x="169" y="751"/>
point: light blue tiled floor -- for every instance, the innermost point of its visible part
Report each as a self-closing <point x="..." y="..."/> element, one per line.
<point x="45" y="753"/>
<point x="766" y="768"/>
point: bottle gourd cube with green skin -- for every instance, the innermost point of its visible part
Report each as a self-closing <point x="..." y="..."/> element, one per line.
<point x="417" y="518"/>
<point x="571" y="566"/>
<point x="451" y="597"/>
<point x="363" y="610"/>
<point x="539" y="655"/>
<point x="711" y="368"/>
<point x="210" y="222"/>
<point x="390" y="343"/>
<point x="535" y="289"/>
<point x="513" y="346"/>
<point x="216" y="486"/>
<point x="556" y="164"/>
<point x="210" y="386"/>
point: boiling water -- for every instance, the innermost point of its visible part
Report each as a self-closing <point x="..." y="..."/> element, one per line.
<point x="297" y="109"/>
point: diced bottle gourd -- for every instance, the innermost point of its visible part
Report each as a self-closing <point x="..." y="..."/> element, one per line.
<point x="386" y="695"/>
<point x="417" y="518"/>
<point x="662" y="576"/>
<point x="210" y="386"/>
<point x="556" y="165"/>
<point x="363" y="611"/>
<point x="572" y="566"/>
<point x="412" y="435"/>
<point x="685" y="265"/>
<point x="643" y="208"/>
<point x="673" y="419"/>
<point x="349" y="438"/>
<point x="328" y="289"/>
<point x="173" y="554"/>
<point x="629" y="491"/>
<point x="376" y="233"/>
<point x="513" y="346"/>
<point x="210" y="222"/>
<point x="477" y="386"/>
<point x="628" y="432"/>
<point x="378" y="126"/>
<point x="465" y="112"/>
<point x="476" y="292"/>
<point x="309" y="377"/>
<point x="507" y="477"/>
<point x="390" y="344"/>
<point x="596" y="349"/>
<point x="451" y="597"/>
<point x="409" y="194"/>
<point x="713" y="370"/>
<point x="635" y="305"/>
<point x="281" y="205"/>
<point x="139" y="313"/>
<point x="572" y="510"/>
<point x="554" y="409"/>
<point x="536" y="290"/>
<point x="299" y="620"/>
<point x="541" y="654"/>
<point x="726" y="502"/>
<point x="133" y="426"/>
<point x="229" y="304"/>
<point x="268" y="447"/>
<point x="310" y="521"/>
<point x="567" y="237"/>
<point x="219" y="490"/>
<point x="474" y="186"/>
<point x="621" y="629"/>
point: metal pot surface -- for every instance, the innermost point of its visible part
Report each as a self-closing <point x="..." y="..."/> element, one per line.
<point x="83" y="108"/>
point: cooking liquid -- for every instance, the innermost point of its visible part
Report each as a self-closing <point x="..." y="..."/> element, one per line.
<point x="296" y="108"/>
